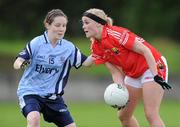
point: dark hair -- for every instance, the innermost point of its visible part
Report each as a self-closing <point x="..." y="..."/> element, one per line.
<point x="52" y="14"/>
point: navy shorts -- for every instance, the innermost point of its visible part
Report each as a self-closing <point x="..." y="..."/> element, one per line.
<point x="53" y="110"/>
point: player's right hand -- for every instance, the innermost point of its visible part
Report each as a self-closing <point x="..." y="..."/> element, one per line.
<point x="161" y="82"/>
<point x="119" y="108"/>
<point x="25" y="64"/>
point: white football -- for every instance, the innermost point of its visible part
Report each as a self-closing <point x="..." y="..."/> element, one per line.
<point x="116" y="95"/>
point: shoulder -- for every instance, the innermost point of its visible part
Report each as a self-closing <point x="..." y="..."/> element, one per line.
<point x="38" y="40"/>
<point x="119" y="34"/>
<point x="112" y="30"/>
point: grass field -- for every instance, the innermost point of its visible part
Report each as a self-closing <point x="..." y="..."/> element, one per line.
<point x="92" y="115"/>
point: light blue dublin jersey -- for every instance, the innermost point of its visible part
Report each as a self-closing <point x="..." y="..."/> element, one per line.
<point x="49" y="68"/>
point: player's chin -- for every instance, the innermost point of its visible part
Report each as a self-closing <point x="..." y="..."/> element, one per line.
<point x="88" y="36"/>
<point x="60" y="36"/>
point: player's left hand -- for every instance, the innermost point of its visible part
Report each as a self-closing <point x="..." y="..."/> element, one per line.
<point x="161" y="82"/>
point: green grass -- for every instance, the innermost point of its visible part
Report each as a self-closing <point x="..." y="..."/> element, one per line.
<point x="11" y="47"/>
<point x="92" y="115"/>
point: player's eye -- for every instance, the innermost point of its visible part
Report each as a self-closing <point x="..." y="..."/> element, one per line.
<point x="64" y="25"/>
<point x="57" y="25"/>
<point x="85" y="23"/>
<point x="60" y="25"/>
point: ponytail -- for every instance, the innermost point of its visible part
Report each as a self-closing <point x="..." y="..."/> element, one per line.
<point x="109" y="21"/>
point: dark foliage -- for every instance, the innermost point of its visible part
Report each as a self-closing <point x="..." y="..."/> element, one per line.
<point x="24" y="18"/>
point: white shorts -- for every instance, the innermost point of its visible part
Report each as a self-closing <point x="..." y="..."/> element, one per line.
<point x="146" y="77"/>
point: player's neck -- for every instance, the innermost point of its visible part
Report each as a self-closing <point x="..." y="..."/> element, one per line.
<point x="99" y="34"/>
<point x="54" y="41"/>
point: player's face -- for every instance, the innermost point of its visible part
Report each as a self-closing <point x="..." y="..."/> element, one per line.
<point x="57" y="28"/>
<point x="90" y="27"/>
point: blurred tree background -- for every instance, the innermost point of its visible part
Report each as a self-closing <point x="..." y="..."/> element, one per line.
<point x="24" y="18"/>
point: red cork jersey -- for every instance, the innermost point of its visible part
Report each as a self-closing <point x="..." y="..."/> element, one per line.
<point x="116" y="47"/>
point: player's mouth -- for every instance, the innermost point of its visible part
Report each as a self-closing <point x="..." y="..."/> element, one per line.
<point x="86" y="32"/>
<point x="60" y="34"/>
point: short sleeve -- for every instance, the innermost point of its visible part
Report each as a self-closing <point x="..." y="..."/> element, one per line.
<point x="77" y="58"/>
<point x="127" y="39"/>
<point x="27" y="52"/>
<point x="122" y="36"/>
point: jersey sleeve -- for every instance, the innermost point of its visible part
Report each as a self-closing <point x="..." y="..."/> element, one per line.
<point x="77" y="58"/>
<point x="127" y="39"/>
<point x="26" y="52"/>
<point x="122" y="36"/>
<point x="29" y="49"/>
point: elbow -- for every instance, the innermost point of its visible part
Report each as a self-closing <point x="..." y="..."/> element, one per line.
<point x="146" y="52"/>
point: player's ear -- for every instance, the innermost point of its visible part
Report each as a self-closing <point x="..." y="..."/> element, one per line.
<point x="98" y="25"/>
<point x="46" y="25"/>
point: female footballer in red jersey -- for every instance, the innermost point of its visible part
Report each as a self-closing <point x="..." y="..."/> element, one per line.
<point x="132" y="62"/>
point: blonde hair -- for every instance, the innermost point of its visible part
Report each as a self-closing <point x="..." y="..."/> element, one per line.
<point x="100" y="13"/>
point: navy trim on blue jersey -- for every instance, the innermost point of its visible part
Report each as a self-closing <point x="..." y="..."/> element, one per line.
<point x="60" y="78"/>
<point x="60" y="41"/>
<point x="29" y="46"/>
<point x="45" y="38"/>
<point x="26" y="52"/>
<point x="64" y="82"/>
<point x="75" y="56"/>
<point x="83" y="58"/>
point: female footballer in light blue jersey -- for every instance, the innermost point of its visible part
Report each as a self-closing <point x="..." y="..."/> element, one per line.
<point x="50" y="58"/>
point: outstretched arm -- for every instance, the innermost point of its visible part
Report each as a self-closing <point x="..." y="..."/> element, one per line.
<point x="88" y="62"/>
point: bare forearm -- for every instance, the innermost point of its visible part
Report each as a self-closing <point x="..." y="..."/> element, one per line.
<point x="151" y="62"/>
<point x="140" y="48"/>
<point x="116" y="73"/>
<point x="88" y="62"/>
<point x="118" y="78"/>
